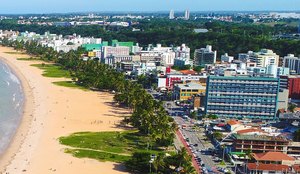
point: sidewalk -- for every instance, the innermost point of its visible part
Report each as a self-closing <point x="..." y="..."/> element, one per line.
<point x="196" y="166"/>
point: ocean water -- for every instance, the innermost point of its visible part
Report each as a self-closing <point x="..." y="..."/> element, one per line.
<point x="11" y="105"/>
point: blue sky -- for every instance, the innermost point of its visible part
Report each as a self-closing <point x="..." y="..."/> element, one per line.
<point x="51" y="6"/>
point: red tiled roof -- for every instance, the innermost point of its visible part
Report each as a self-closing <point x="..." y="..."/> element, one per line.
<point x="249" y="130"/>
<point x="221" y="125"/>
<point x="281" y="110"/>
<point x="233" y="122"/>
<point x="296" y="168"/>
<point x="267" y="167"/>
<point x="192" y="72"/>
<point x="272" y="156"/>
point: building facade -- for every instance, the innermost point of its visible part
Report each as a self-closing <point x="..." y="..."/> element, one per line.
<point x="187" y="91"/>
<point x="242" y="97"/>
<point x="115" y="51"/>
<point x="293" y="63"/>
<point x="265" y="57"/>
<point x="205" y="56"/>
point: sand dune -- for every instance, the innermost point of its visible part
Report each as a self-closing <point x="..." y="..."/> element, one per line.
<point x="51" y="112"/>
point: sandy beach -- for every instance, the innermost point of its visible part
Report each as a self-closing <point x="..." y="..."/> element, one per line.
<point x="51" y="112"/>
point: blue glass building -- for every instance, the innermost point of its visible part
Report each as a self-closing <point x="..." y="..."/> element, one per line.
<point x="242" y="97"/>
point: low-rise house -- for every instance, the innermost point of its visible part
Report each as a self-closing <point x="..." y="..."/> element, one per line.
<point x="258" y="168"/>
<point x="187" y="91"/>
<point x="273" y="158"/>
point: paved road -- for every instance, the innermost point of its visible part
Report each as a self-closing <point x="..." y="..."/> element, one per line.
<point x="193" y="137"/>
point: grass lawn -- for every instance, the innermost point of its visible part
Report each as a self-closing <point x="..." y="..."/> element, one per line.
<point x="14" y="52"/>
<point x="106" y="146"/>
<point x="70" y="84"/>
<point x="101" y="156"/>
<point x="29" y="59"/>
<point x="52" y="70"/>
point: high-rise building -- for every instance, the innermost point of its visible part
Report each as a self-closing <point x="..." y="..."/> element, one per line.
<point x="187" y="15"/>
<point x="205" y="56"/>
<point x="265" y="57"/>
<point x="242" y="97"/>
<point x="299" y="28"/>
<point x="293" y="63"/>
<point x="171" y="15"/>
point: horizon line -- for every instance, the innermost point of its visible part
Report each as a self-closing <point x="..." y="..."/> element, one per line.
<point x="153" y="11"/>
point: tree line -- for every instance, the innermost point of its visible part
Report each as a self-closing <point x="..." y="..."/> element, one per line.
<point x="232" y="38"/>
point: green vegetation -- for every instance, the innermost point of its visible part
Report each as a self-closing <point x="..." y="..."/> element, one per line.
<point x="218" y="135"/>
<point x="232" y="38"/>
<point x="29" y="59"/>
<point x="101" y="156"/>
<point x="122" y="143"/>
<point x="161" y="163"/>
<point x="185" y="67"/>
<point x="292" y="107"/>
<point x="52" y="70"/>
<point x="70" y="84"/>
<point x="222" y="163"/>
<point x="14" y="52"/>
<point x="211" y="116"/>
<point x="129" y="147"/>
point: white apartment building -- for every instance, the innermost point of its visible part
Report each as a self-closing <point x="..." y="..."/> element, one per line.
<point x="113" y="60"/>
<point x="264" y="58"/>
<point x="183" y="52"/>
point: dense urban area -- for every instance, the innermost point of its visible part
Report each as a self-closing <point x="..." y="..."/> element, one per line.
<point x="208" y="92"/>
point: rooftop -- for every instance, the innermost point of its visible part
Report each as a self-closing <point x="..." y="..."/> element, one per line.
<point x="259" y="137"/>
<point x="272" y="156"/>
<point x="191" y="86"/>
<point x="233" y="122"/>
<point x="268" y="167"/>
<point x="249" y="131"/>
<point x="186" y="72"/>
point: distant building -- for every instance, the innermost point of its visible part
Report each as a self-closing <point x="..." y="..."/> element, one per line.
<point x="205" y="56"/>
<point x="91" y="47"/>
<point x="181" y="62"/>
<point x="115" y="51"/>
<point x="293" y="63"/>
<point x="226" y="58"/>
<point x="171" y="15"/>
<point x="242" y="97"/>
<point x="113" y="60"/>
<point x="244" y="57"/>
<point x="182" y="51"/>
<point x="200" y="30"/>
<point x="186" y="14"/>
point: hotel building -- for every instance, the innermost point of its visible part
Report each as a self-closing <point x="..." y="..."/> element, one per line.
<point x="242" y="97"/>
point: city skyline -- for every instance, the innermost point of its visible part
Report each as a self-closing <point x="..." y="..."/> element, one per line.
<point x="55" y="6"/>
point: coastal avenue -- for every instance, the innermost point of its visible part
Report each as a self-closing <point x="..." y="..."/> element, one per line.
<point x="193" y="137"/>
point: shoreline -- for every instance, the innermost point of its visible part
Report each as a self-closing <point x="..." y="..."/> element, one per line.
<point x="49" y="112"/>
<point x="25" y="121"/>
